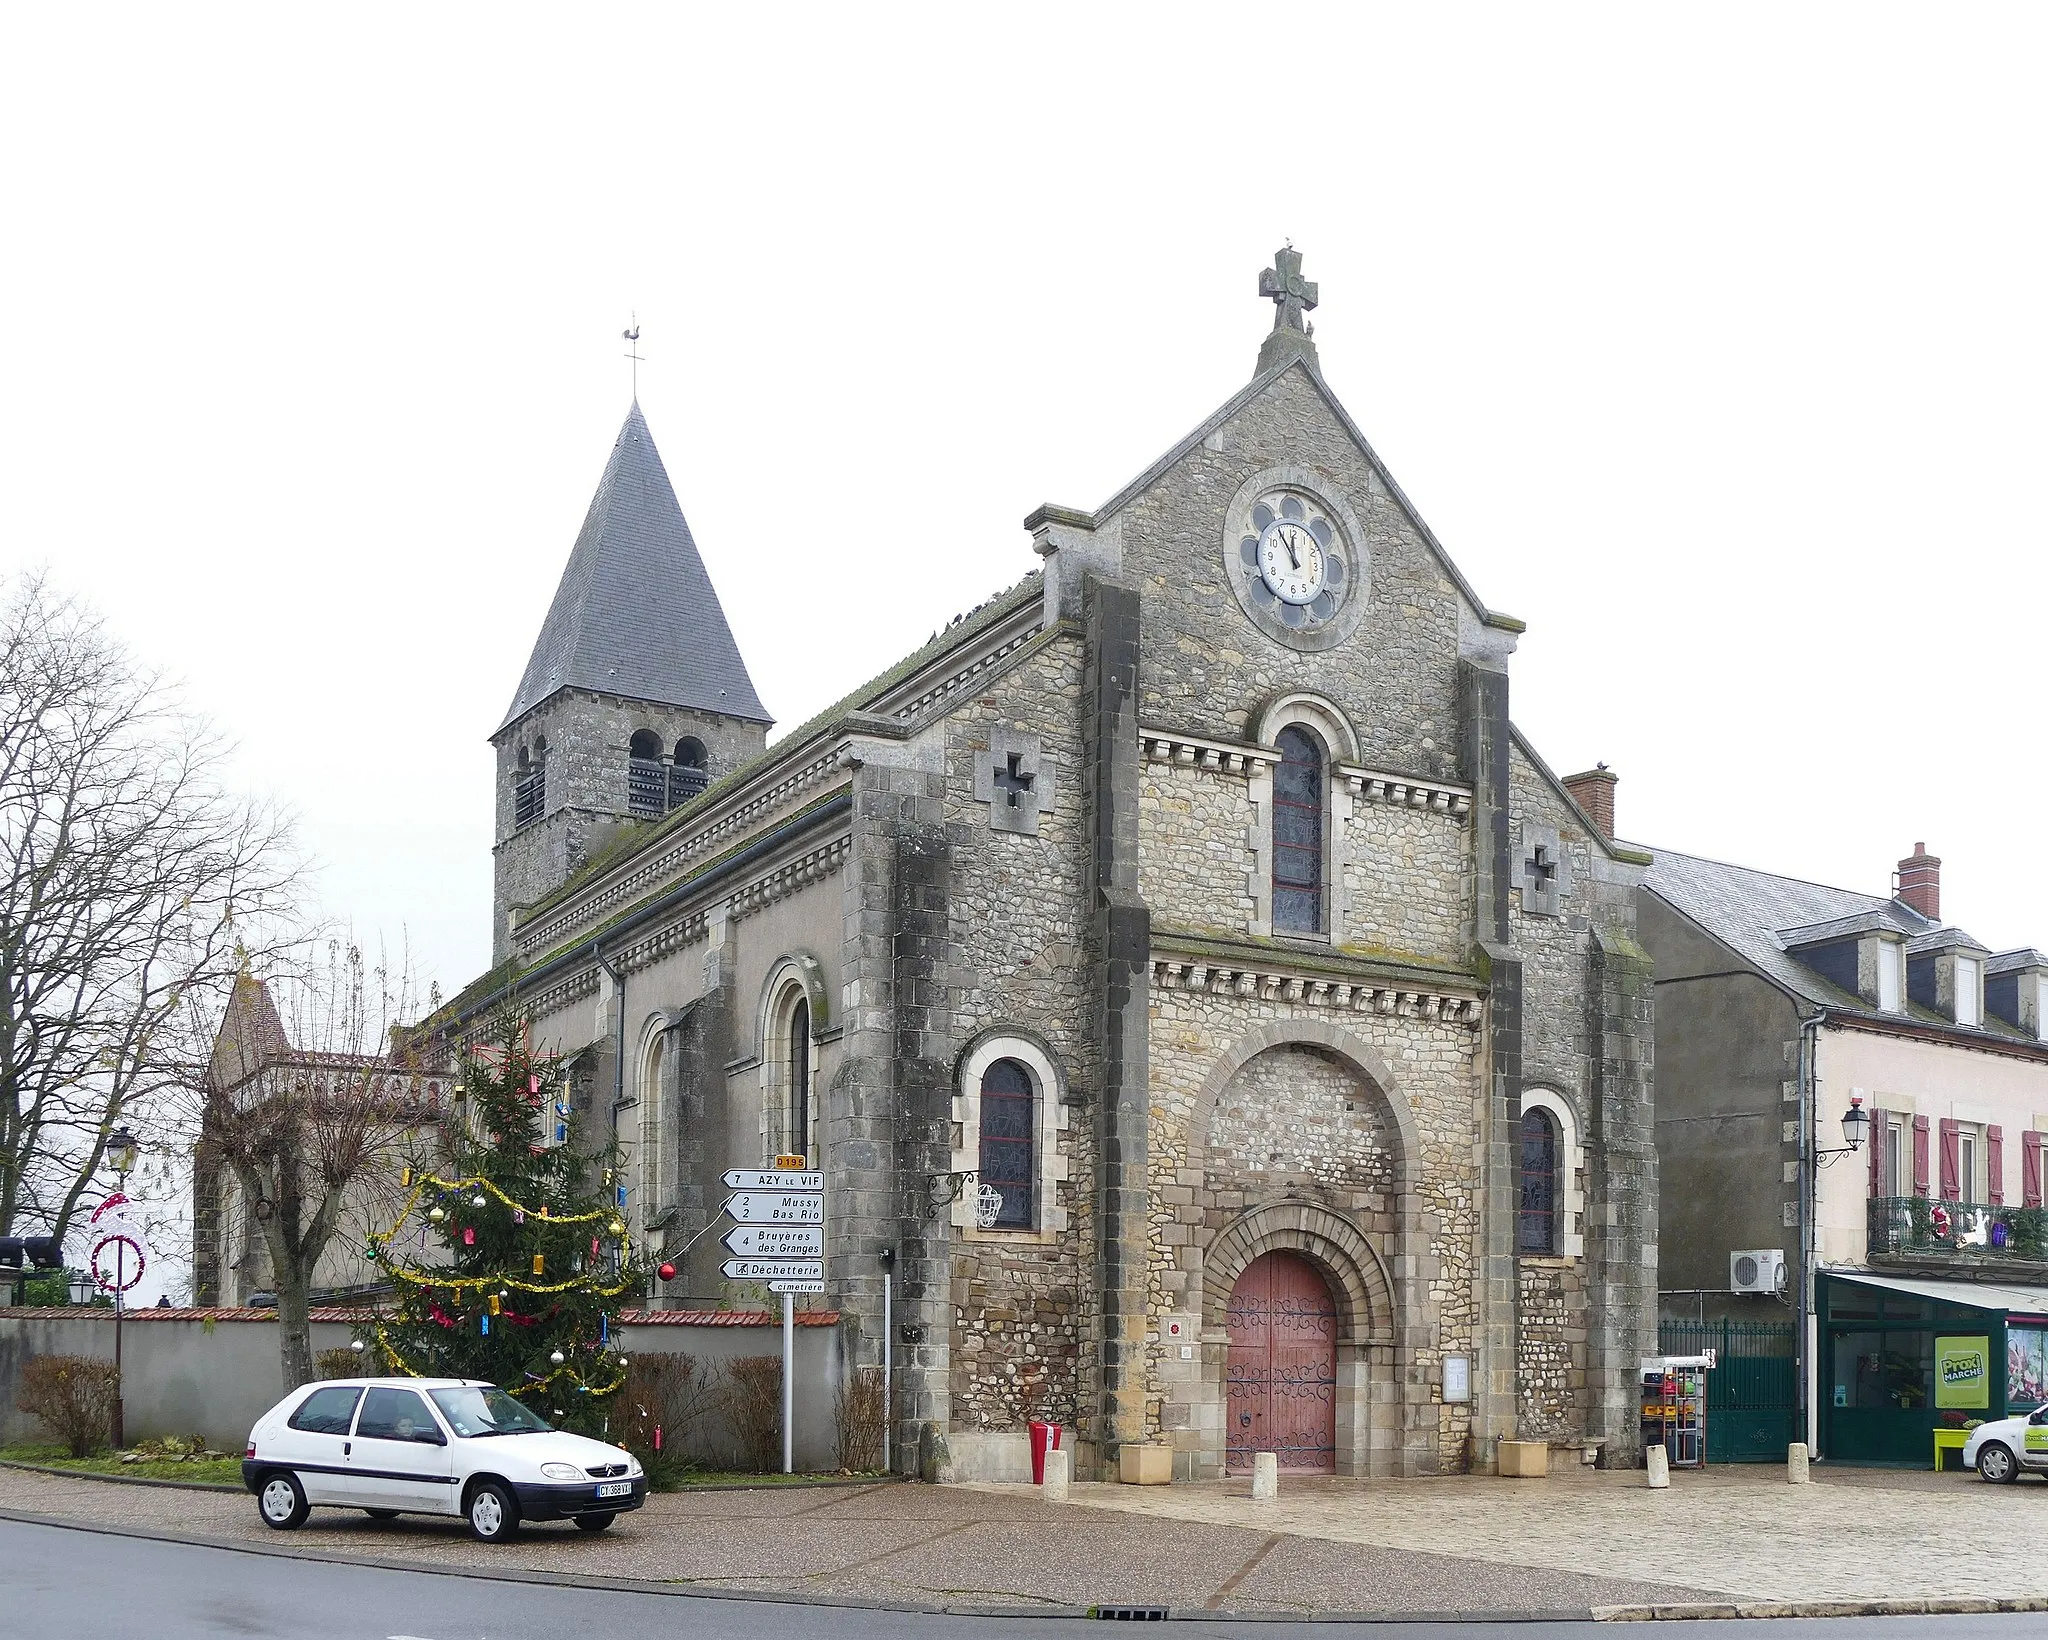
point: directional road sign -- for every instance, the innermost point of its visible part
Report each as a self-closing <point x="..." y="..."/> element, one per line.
<point x="796" y="1286"/>
<point x="781" y="1207"/>
<point x="775" y="1241"/>
<point x="772" y="1269"/>
<point x="752" y="1179"/>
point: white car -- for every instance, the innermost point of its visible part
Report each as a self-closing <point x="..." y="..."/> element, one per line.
<point x="2000" y="1450"/>
<point x="432" y="1446"/>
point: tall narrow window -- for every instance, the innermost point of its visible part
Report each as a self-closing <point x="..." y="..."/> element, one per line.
<point x="1536" y="1222"/>
<point x="1008" y="1152"/>
<point x="1966" y="1164"/>
<point x="651" y="1192"/>
<point x="800" y="1080"/>
<point x="1298" y="835"/>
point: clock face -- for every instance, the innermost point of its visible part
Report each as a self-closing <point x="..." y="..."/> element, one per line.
<point x="1291" y="561"/>
<point x="1293" y="557"/>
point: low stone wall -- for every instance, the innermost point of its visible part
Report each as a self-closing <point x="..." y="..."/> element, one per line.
<point x="215" y="1372"/>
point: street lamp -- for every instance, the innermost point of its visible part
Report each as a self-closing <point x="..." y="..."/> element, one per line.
<point x="121" y="1151"/>
<point x="1855" y="1123"/>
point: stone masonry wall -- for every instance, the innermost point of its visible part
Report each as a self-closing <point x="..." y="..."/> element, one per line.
<point x="1195" y="848"/>
<point x="1018" y="928"/>
<point x="1550" y="1365"/>
<point x="1296" y="1120"/>
<point x="1194" y="1199"/>
<point x="1408" y="882"/>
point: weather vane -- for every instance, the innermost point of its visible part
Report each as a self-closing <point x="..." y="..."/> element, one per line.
<point x="632" y="337"/>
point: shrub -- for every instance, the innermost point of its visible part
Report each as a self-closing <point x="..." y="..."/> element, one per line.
<point x="658" y="1413"/>
<point x="751" y="1399"/>
<point x="342" y="1363"/>
<point x="74" y="1397"/>
<point x="862" y="1411"/>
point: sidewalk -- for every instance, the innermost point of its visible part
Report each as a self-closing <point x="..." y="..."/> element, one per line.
<point x="1470" y="1544"/>
<point x="901" y="1544"/>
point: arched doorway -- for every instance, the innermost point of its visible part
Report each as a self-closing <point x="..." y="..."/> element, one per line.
<point x="1283" y="1366"/>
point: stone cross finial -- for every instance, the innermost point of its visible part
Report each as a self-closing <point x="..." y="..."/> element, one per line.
<point x="1293" y="297"/>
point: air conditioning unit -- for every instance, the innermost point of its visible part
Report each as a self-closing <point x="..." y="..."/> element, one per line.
<point x="1761" y="1270"/>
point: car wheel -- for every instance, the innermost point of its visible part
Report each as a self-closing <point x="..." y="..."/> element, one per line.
<point x="282" y="1502"/>
<point x="381" y="1514"/>
<point x="493" y="1516"/>
<point x="1996" y="1463"/>
<point x="595" y="1523"/>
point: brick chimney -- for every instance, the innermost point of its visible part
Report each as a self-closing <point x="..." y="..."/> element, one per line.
<point x="1593" y="791"/>
<point x="1920" y="882"/>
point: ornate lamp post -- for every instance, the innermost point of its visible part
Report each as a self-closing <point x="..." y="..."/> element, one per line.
<point x="121" y="1151"/>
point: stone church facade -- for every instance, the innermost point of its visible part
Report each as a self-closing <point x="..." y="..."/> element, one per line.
<point x="1196" y="895"/>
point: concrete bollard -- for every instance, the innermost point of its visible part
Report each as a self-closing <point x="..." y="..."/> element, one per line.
<point x="1658" y="1463"/>
<point x="1265" y="1476"/>
<point x="1795" y="1463"/>
<point x="1059" y="1470"/>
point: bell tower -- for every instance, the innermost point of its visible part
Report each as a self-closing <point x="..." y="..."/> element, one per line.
<point x="635" y="699"/>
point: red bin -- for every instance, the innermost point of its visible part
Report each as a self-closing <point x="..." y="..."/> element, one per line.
<point x="1044" y="1438"/>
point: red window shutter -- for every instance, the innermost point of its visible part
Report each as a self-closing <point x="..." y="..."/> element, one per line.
<point x="1877" y="1153"/>
<point x="1919" y="1155"/>
<point x="1951" y="1162"/>
<point x="1994" y="1161"/>
<point x="2030" y="1168"/>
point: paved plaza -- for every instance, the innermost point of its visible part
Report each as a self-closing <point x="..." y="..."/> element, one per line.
<point x="1466" y="1544"/>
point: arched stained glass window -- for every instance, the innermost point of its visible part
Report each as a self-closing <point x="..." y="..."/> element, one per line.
<point x="800" y="1079"/>
<point x="1536" y="1221"/>
<point x="1009" y="1158"/>
<point x="1298" y="835"/>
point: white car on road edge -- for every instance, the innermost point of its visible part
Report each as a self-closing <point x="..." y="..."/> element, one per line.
<point x="432" y="1446"/>
<point x="2000" y="1450"/>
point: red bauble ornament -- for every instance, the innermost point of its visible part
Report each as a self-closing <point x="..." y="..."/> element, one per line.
<point x="667" y="1272"/>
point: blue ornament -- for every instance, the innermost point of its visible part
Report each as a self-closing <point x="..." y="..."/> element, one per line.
<point x="487" y="1325"/>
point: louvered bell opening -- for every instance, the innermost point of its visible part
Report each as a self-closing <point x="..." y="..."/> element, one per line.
<point x="529" y="799"/>
<point x="684" y="784"/>
<point x="646" y="786"/>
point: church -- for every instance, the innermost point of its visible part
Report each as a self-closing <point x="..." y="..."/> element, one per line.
<point x="1213" y="1020"/>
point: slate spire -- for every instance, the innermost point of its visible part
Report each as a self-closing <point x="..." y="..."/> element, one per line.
<point x="635" y="614"/>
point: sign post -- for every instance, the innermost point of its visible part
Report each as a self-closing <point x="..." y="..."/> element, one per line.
<point x="779" y="1238"/>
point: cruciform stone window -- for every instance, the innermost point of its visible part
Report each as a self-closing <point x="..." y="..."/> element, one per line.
<point x="1542" y="871"/>
<point x="1015" y="778"/>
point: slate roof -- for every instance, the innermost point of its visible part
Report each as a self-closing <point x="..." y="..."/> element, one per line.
<point x="1751" y="912"/>
<point x="1747" y="911"/>
<point x="636" y="614"/>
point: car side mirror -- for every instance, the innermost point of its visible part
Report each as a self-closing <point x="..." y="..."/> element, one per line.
<point x="2038" y="1416"/>
<point x="430" y="1437"/>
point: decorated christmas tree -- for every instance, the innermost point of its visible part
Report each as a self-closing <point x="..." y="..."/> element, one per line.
<point x="510" y="1258"/>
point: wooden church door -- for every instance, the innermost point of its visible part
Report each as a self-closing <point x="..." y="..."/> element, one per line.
<point x="1283" y="1366"/>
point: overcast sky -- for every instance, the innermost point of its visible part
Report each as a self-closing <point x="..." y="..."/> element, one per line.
<point x="1710" y="341"/>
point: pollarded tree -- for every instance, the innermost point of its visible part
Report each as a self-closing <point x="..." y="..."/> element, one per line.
<point x="302" y="1131"/>
<point x="511" y="1260"/>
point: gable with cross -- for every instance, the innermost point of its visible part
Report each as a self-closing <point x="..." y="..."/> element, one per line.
<point x="1015" y="778"/>
<point x="1542" y="870"/>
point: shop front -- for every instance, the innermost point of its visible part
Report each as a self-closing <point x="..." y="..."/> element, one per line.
<point x="1902" y="1357"/>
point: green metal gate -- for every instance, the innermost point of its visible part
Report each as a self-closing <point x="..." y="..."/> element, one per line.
<point x="1752" y="1401"/>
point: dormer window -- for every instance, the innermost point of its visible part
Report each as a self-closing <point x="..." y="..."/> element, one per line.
<point x="1891" y="976"/>
<point x="1969" y="991"/>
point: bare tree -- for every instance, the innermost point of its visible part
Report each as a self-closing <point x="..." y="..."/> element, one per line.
<point x="129" y="874"/>
<point x="304" y="1130"/>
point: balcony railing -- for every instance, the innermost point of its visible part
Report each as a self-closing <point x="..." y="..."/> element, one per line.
<point x="1925" y="1228"/>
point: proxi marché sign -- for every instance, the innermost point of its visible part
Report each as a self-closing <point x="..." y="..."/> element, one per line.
<point x="1962" y="1373"/>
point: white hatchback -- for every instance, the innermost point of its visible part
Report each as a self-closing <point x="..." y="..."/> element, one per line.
<point x="432" y="1446"/>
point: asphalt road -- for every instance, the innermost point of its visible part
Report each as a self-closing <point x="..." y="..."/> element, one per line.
<point x="57" y="1583"/>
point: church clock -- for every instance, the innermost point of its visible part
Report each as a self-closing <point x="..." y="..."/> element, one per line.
<point x="1295" y="560"/>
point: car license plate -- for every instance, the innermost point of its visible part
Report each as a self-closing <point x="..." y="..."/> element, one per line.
<point x="616" y="1489"/>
